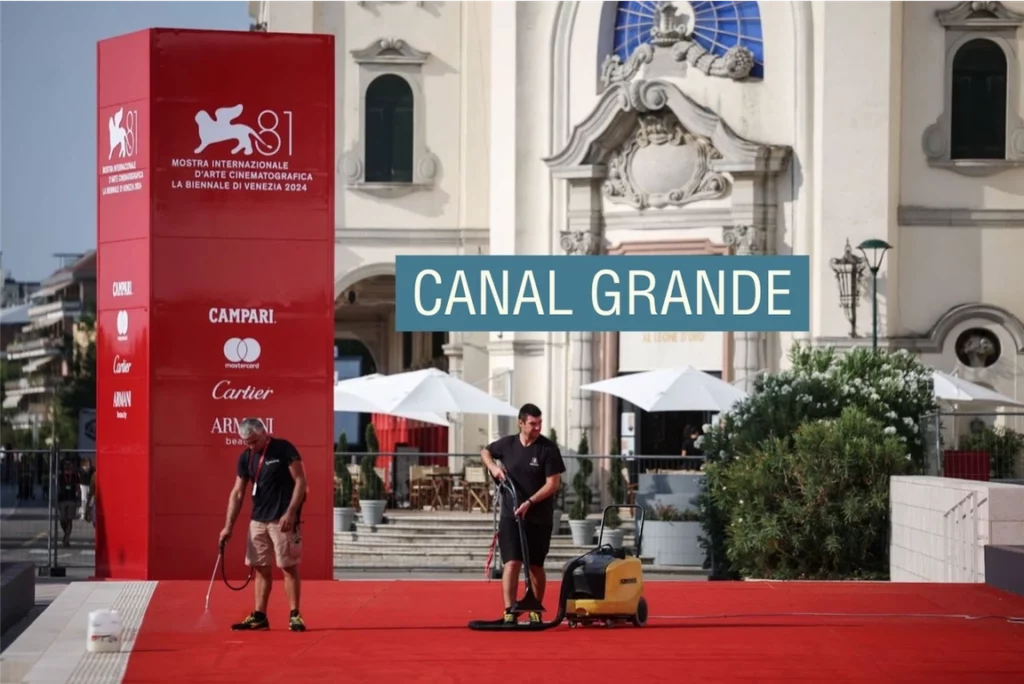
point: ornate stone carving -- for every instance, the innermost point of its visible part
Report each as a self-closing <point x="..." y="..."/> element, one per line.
<point x="578" y="242"/>
<point x="676" y="35"/>
<point x="746" y="239"/>
<point x="662" y="164"/>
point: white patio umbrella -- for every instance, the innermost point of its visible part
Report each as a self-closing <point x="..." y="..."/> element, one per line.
<point x="671" y="389"/>
<point x="350" y="395"/>
<point x="956" y="390"/>
<point x="432" y="390"/>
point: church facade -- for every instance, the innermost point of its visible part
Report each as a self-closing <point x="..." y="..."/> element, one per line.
<point x="680" y="128"/>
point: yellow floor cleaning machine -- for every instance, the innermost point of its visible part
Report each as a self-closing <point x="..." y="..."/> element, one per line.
<point x="604" y="586"/>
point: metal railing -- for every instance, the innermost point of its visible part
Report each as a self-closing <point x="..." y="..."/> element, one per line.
<point x="459" y="482"/>
<point x="963" y="546"/>
<point x="986" y="447"/>
<point x="42" y="521"/>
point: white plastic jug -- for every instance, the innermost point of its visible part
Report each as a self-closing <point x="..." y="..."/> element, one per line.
<point x="105" y="631"/>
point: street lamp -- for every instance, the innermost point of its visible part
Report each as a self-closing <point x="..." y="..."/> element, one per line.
<point x="878" y="249"/>
<point x="849" y="269"/>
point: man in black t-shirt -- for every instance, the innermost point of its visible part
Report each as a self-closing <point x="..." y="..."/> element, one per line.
<point x="274" y="467"/>
<point x="534" y="466"/>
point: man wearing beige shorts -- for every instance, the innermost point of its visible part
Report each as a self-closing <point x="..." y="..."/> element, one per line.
<point x="273" y="466"/>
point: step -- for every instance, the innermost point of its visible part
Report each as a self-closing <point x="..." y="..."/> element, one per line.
<point x="450" y="527"/>
<point x="427" y="541"/>
<point x="465" y="521"/>
<point x="1004" y="568"/>
<point x="554" y="567"/>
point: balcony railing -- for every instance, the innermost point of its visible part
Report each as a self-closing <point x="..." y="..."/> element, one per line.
<point x="26" y="349"/>
<point x="31" y="385"/>
<point x="53" y="310"/>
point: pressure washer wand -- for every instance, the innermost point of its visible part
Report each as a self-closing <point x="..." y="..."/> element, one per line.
<point x="216" y="566"/>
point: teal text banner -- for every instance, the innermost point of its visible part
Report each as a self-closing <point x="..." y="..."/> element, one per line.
<point x="702" y="293"/>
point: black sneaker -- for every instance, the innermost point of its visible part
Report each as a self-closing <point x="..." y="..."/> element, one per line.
<point x="296" y="624"/>
<point x="253" y="621"/>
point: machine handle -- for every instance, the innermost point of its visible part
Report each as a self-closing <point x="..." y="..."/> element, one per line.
<point x="639" y="531"/>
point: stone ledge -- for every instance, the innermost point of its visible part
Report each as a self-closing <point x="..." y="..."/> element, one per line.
<point x="1004" y="568"/>
<point x="17" y="593"/>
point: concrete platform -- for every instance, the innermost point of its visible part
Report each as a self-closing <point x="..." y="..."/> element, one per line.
<point x="52" y="650"/>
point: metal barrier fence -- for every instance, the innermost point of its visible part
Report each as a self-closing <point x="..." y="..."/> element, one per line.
<point x="439" y="482"/>
<point x="46" y="512"/>
<point x="975" y="446"/>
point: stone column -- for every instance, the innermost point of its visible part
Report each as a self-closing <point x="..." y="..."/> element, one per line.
<point x="747" y="358"/>
<point x="456" y="433"/>
<point x="581" y="350"/>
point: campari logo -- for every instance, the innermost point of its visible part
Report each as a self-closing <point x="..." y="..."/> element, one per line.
<point x="218" y="315"/>
<point x="263" y="139"/>
<point x="227" y="428"/>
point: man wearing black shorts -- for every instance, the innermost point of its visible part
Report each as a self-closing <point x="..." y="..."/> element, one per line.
<point x="273" y="466"/>
<point x="534" y="466"/>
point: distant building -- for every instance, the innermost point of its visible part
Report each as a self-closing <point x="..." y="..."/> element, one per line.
<point x="39" y="337"/>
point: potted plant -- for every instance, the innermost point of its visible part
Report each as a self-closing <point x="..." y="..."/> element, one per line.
<point x="613" y="532"/>
<point x="558" y="498"/>
<point x="344" y="514"/>
<point x="671" y="536"/>
<point x="371" y="488"/>
<point x="581" y="526"/>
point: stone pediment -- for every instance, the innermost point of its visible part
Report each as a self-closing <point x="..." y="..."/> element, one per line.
<point x="657" y="147"/>
<point x="979" y="16"/>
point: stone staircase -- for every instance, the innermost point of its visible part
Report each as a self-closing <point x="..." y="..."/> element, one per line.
<point x="448" y="542"/>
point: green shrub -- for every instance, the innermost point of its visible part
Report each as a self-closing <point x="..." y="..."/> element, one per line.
<point x="616" y="491"/>
<point x="894" y="388"/>
<point x="581" y="482"/>
<point x="343" y="493"/>
<point x="1001" y="443"/>
<point x="817" y="508"/>
<point x="370" y="485"/>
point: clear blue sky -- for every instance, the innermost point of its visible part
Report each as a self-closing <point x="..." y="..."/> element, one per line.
<point x="48" y="116"/>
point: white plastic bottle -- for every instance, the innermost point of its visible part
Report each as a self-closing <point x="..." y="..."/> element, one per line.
<point x="105" y="631"/>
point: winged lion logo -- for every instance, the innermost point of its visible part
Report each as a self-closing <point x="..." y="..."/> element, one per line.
<point x="220" y="128"/>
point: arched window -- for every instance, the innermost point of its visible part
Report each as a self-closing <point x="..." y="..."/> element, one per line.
<point x="978" y="128"/>
<point x="717" y="26"/>
<point x="389" y="130"/>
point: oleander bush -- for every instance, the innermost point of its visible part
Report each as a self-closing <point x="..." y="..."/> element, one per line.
<point x="890" y="391"/>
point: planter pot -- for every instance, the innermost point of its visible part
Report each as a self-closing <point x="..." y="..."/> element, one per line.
<point x="583" y="531"/>
<point x="373" y="511"/>
<point x="343" y="519"/>
<point x="673" y="543"/>
<point x="613" y="537"/>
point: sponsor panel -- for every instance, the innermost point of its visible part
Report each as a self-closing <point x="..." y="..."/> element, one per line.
<point x="220" y="328"/>
<point x="122" y="278"/>
<point x="293" y="408"/>
<point x="229" y="282"/>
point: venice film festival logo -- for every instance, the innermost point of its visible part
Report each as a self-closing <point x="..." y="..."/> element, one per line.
<point x="121" y="173"/>
<point x="257" y="161"/>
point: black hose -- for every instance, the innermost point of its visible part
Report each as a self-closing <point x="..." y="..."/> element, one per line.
<point x="224" y="573"/>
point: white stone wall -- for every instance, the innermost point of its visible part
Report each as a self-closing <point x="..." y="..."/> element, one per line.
<point x="940" y="527"/>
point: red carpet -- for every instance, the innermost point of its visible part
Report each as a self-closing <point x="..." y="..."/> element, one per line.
<point x="416" y="632"/>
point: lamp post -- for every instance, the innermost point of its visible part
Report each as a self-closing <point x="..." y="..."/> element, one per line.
<point x="849" y="269"/>
<point x="878" y="248"/>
